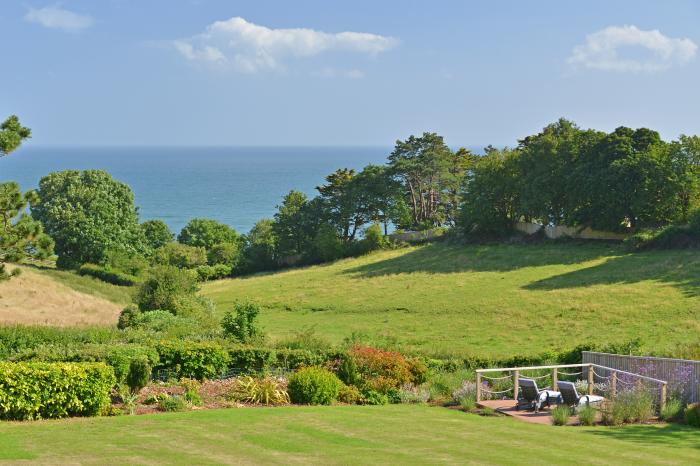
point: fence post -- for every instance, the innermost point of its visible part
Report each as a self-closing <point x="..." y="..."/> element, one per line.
<point x="662" y="402"/>
<point x="516" y="385"/>
<point x="478" y="386"/>
<point x="613" y="385"/>
<point x="590" y="379"/>
<point x="555" y="380"/>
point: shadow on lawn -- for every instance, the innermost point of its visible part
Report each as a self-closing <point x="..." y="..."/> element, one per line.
<point x="678" y="268"/>
<point x="669" y="435"/>
<point x="451" y="258"/>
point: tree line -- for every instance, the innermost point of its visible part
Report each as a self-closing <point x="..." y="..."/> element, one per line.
<point x="620" y="181"/>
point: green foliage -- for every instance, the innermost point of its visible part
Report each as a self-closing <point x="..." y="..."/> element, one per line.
<point x="180" y="255"/>
<point x="313" y="385"/>
<point x="156" y="233"/>
<point x="166" y="287"/>
<point x="260" y="249"/>
<point x="87" y="213"/>
<point x="53" y="390"/>
<point x="242" y="326"/>
<point x="12" y="133"/>
<point x="191" y="387"/>
<point x="672" y="410"/>
<point x="172" y="404"/>
<point x="468" y="403"/>
<point x="105" y="274"/>
<point x="206" y="233"/>
<point x="228" y="254"/>
<point x="373" y="239"/>
<point x="197" y="360"/>
<point x="213" y="272"/>
<point x="260" y="391"/>
<point x="560" y="415"/>
<point x="380" y="370"/>
<point x="351" y="395"/>
<point x="373" y="397"/>
<point x="630" y="406"/>
<point x="587" y="415"/>
<point x="129" y="399"/>
<point x="251" y="359"/>
<point x="347" y="371"/>
<point x="139" y="374"/>
<point x="327" y="246"/>
<point x="295" y="225"/>
<point x="692" y="414"/>
<point x="21" y="237"/>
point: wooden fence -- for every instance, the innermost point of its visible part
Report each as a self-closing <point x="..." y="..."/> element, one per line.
<point x="682" y="375"/>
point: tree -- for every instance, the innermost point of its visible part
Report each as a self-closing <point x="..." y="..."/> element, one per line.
<point x="206" y="233"/>
<point x="423" y="166"/>
<point x="224" y="253"/>
<point x="21" y="236"/>
<point x="295" y="224"/>
<point x="260" y="250"/>
<point x="242" y="326"/>
<point x="180" y="255"/>
<point x="344" y="203"/>
<point x="167" y="288"/>
<point x="87" y="213"/>
<point x="12" y="133"/>
<point x="157" y="233"/>
<point x="380" y="193"/>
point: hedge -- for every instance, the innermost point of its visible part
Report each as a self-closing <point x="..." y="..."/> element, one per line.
<point x="191" y="359"/>
<point x="251" y="359"/>
<point x="114" y="277"/>
<point x="54" y="390"/>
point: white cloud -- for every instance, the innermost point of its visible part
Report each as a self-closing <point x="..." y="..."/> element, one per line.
<point x="605" y="50"/>
<point x="58" y="18"/>
<point x="249" y="47"/>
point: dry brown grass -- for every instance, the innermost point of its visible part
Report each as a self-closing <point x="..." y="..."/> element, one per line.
<point x="35" y="298"/>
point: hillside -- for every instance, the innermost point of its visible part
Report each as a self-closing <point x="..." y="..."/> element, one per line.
<point x="487" y="300"/>
<point x="51" y="297"/>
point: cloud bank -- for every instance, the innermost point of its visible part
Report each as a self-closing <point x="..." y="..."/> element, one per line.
<point x="58" y="18"/>
<point x="607" y="49"/>
<point x="250" y="48"/>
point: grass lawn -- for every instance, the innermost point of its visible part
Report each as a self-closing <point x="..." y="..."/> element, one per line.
<point x="399" y="434"/>
<point x="487" y="300"/>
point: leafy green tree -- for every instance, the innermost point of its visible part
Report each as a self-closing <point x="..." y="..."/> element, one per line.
<point x="490" y="195"/>
<point x="344" y="203"/>
<point x="87" y="213"/>
<point x="260" y="250"/>
<point x="157" y="233"/>
<point x="167" y="288"/>
<point x="21" y="236"/>
<point x="242" y="324"/>
<point x="12" y="133"/>
<point x="380" y="194"/>
<point x="224" y="253"/>
<point x="206" y="233"/>
<point x="180" y="255"/>
<point x="295" y="224"/>
<point x="424" y="166"/>
<point x="327" y="245"/>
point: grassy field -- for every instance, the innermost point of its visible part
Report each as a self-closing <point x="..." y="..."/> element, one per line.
<point x="487" y="300"/>
<point x="52" y="297"/>
<point x="397" y="434"/>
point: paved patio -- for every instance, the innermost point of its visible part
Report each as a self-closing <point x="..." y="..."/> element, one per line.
<point x="507" y="407"/>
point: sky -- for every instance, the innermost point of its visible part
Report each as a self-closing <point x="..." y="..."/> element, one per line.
<point x="233" y="73"/>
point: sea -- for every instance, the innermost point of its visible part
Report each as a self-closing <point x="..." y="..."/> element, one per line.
<point x="234" y="185"/>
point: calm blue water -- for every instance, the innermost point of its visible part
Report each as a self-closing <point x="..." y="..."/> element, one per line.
<point x="237" y="186"/>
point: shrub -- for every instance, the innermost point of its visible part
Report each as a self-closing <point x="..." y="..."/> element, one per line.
<point x="350" y="395"/>
<point x="129" y="399"/>
<point x="347" y="372"/>
<point x="468" y="403"/>
<point x="672" y="410"/>
<point x="313" y="385"/>
<point x="172" y="403"/>
<point x="242" y="326"/>
<point x="380" y="370"/>
<point x="139" y="374"/>
<point x="227" y="254"/>
<point x="180" y="255"/>
<point x="198" y="360"/>
<point x="54" y="390"/>
<point x="692" y="414"/>
<point x="213" y="272"/>
<point x="373" y="238"/>
<point x="105" y="274"/>
<point x="128" y="316"/>
<point x="264" y="391"/>
<point x="191" y="394"/>
<point x="409" y="393"/>
<point x="157" y="233"/>
<point x="587" y="415"/>
<point x="296" y="358"/>
<point x="560" y="415"/>
<point x="630" y="406"/>
<point x="251" y="359"/>
<point x="327" y="246"/>
<point x="120" y="357"/>
<point x="373" y="397"/>
<point x="166" y="288"/>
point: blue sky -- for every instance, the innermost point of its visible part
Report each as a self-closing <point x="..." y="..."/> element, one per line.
<point x="211" y="72"/>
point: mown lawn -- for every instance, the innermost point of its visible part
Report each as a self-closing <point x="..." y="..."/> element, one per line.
<point x="496" y="300"/>
<point x="399" y="434"/>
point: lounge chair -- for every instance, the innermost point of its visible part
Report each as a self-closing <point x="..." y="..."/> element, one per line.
<point x="572" y="399"/>
<point x="531" y="397"/>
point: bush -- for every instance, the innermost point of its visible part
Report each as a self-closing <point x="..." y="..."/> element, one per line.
<point x="468" y="403"/>
<point x="139" y="374"/>
<point x="373" y="397"/>
<point x="560" y="415"/>
<point x="313" y="385"/>
<point x="105" y="274"/>
<point x="213" y="272"/>
<point x="197" y="360"/>
<point x="180" y="255"/>
<point x="228" y="254"/>
<point x="296" y="358"/>
<point x="413" y="394"/>
<point x="630" y="406"/>
<point x="54" y="390"/>
<point x="587" y="415"/>
<point x="166" y="288"/>
<point x="128" y="316"/>
<point x="373" y="238"/>
<point x="672" y="410"/>
<point x="380" y="370"/>
<point x="251" y="359"/>
<point x="242" y="326"/>
<point x="692" y="414"/>
<point x="191" y="394"/>
<point x="260" y="391"/>
<point x="327" y="246"/>
<point x="173" y="403"/>
<point x="350" y="395"/>
<point x="157" y="233"/>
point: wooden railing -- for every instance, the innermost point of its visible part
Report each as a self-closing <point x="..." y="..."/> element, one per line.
<point x="515" y="374"/>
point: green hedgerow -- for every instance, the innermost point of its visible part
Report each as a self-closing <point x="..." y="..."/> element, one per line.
<point x="313" y="385"/>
